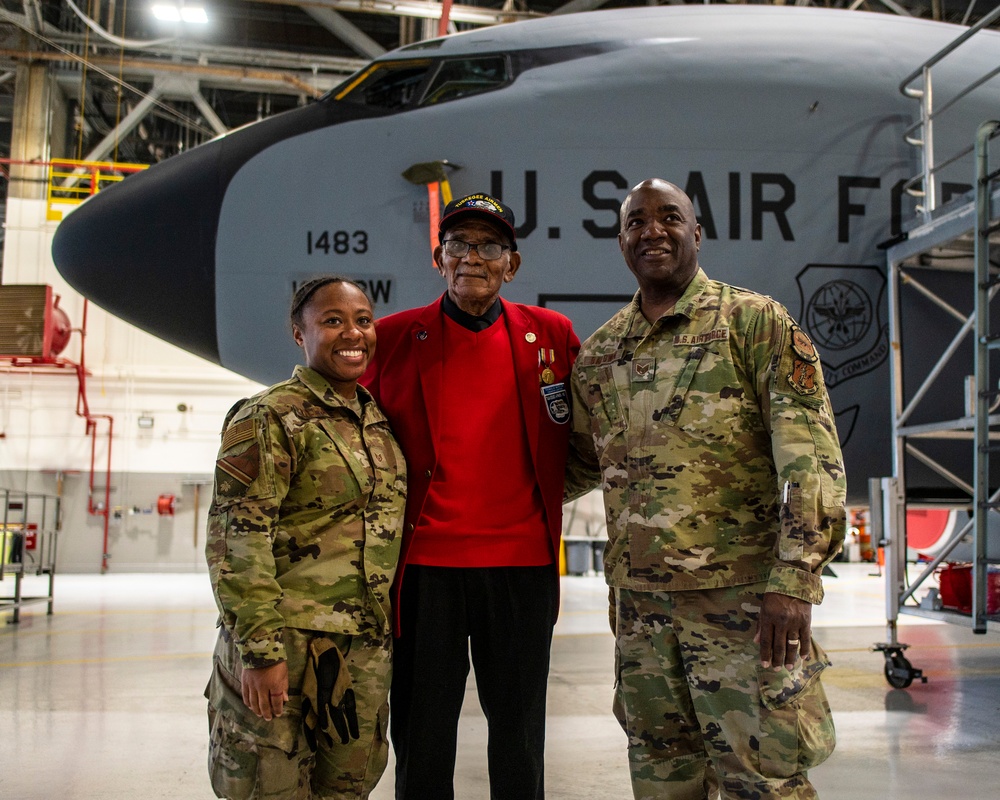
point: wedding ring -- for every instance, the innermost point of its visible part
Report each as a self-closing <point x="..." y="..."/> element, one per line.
<point x="793" y="641"/>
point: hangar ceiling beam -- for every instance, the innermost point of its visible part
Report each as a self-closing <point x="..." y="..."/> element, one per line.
<point x="892" y="5"/>
<point x="33" y="14"/>
<point x="208" y="113"/>
<point x="203" y="52"/>
<point x="120" y="131"/>
<point x="169" y="87"/>
<point x="346" y="31"/>
<point x="272" y="81"/>
<point x="180" y="87"/>
<point x="26" y="23"/>
<point x="427" y="9"/>
<point x="575" y="6"/>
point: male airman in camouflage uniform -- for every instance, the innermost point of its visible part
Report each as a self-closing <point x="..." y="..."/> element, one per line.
<point x="703" y="408"/>
<point x="304" y="536"/>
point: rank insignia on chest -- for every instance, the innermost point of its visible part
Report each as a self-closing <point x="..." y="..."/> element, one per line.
<point x="802" y="378"/>
<point x="643" y="370"/>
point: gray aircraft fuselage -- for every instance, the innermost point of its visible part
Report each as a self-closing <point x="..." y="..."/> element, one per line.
<point x="785" y="125"/>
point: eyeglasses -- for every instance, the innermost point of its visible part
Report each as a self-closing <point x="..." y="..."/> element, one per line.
<point x="490" y="251"/>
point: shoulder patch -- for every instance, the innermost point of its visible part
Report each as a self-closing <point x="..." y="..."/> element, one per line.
<point x="235" y="473"/>
<point x="802" y="345"/>
<point x="238" y="433"/>
<point x="244" y="467"/>
<point x="802" y="378"/>
<point x="239" y="464"/>
<point x="233" y="411"/>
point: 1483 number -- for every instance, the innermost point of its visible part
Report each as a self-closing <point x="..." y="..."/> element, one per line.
<point x="338" y="242"/>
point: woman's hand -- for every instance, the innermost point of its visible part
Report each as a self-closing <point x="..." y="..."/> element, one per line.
<point x="265" y="690"/>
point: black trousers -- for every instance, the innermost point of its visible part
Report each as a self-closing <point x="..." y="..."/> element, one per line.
<point x="504" y="617"/>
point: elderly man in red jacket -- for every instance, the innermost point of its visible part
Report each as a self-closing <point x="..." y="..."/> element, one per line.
<point x="476" y="390"/>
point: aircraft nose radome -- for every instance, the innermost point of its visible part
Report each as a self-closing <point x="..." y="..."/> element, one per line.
<point x="144" y="249"/>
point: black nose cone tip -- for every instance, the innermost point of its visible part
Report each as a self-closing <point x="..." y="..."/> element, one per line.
<point x="144" y="250"/>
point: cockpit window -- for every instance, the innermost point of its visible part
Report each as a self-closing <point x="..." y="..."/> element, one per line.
<point x="390" y="85"/>
<point x="393" y="85"/>
<point x="468" y="76"/>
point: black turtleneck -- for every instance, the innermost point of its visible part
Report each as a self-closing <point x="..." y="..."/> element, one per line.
<point x="466" y="320"/>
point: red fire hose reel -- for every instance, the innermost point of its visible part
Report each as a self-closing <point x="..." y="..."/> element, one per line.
<point x="165" y="505"/>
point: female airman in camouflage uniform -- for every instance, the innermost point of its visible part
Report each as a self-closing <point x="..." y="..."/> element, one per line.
<point x="303" y="539"/>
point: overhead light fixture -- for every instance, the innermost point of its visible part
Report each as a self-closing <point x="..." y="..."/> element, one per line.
<point x="180" y="12"/>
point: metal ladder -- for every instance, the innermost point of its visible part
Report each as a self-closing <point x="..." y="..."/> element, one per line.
<point x="938" y="227"/>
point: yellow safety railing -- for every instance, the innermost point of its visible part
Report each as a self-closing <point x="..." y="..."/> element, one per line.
<point x="71" y="182"/>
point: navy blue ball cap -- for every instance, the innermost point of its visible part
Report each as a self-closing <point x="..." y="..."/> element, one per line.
<point x="482" y="206"/>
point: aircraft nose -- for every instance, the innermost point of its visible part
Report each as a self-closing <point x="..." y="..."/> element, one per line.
<point x="144" y="249"/>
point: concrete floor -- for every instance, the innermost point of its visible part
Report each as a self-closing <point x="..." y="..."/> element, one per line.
<point x="103" y="699"/>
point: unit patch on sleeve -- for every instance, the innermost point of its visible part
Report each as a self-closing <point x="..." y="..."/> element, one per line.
<point x="239" y="465"/>
<point x="802" y="346"/>
<point x="802" y="378"/>
<point x="236" y="472"/>
<point x="238" y="433"/>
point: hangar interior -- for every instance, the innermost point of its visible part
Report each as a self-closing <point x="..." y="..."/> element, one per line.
<point x="106" y="445"/>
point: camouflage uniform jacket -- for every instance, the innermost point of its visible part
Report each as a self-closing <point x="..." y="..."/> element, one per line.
<point x="305" y="523"/>
<point x="696" y="423"/>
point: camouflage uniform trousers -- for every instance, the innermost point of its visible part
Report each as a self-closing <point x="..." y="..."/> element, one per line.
<point x="251" y="758"/>
<point x="703" y="718"/>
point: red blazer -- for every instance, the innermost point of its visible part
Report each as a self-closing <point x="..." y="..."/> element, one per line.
<point x="405" y="377"/>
